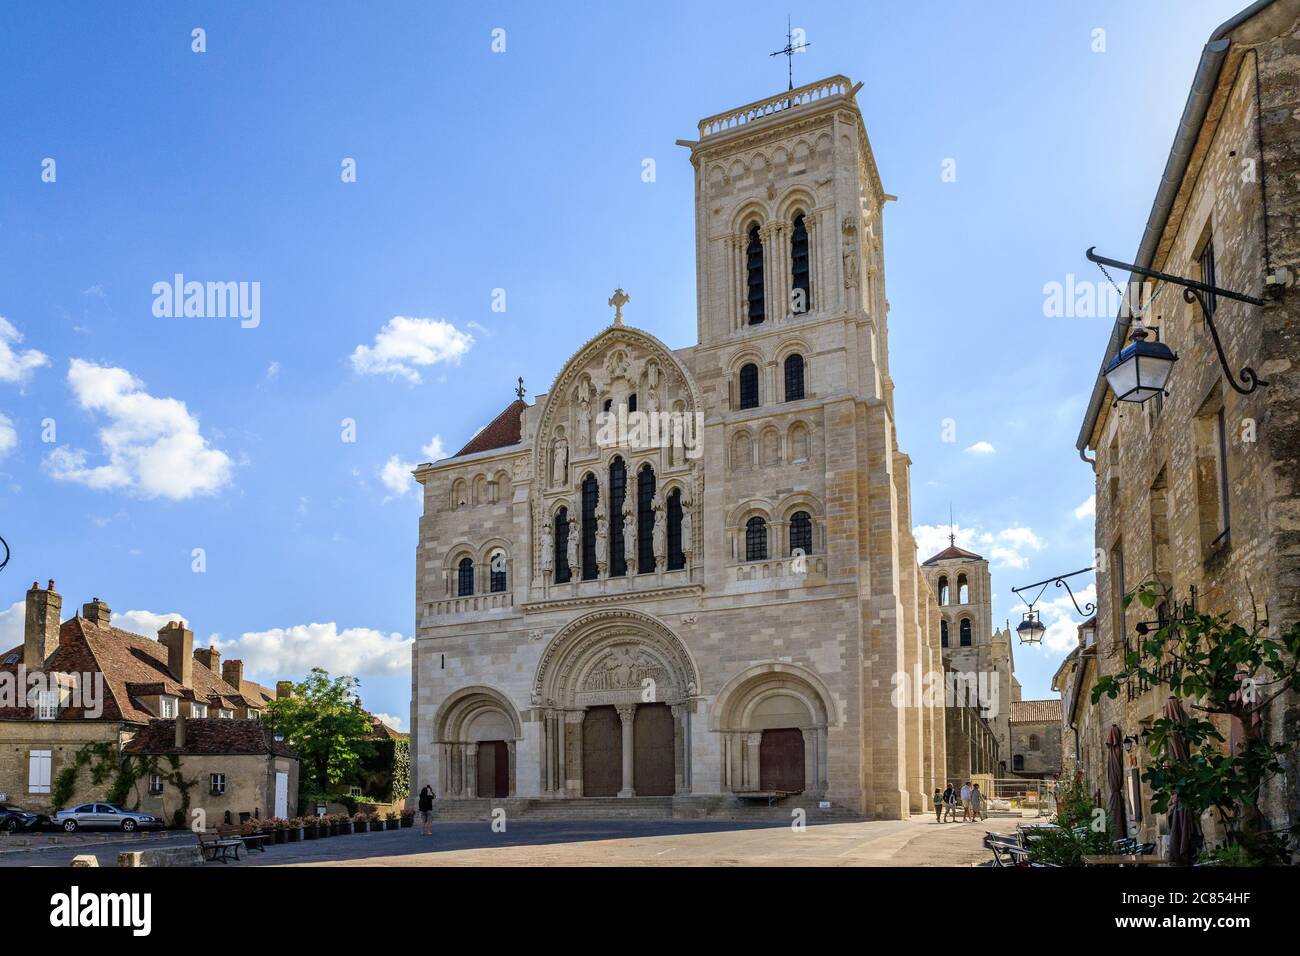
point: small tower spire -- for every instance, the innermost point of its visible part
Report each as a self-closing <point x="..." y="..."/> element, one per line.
<point x="789" y="50"/>
<point x="519" y="391"/>
<point x="952" y="531"/>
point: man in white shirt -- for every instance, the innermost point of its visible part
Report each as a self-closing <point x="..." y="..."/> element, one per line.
<point x="965" y="801"/>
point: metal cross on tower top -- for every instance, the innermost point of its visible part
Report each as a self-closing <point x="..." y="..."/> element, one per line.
<point x="790" y="50"/>
<point x="520" y="390"/>
<point x="618" y="300"/>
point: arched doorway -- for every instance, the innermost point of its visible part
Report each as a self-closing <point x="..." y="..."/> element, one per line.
<point x="774" y="719"/>
<point x="475" y="735"/>
<point x="615" y="689"/>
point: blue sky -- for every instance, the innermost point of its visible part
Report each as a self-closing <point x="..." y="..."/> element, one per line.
<point x="518" y="170"/>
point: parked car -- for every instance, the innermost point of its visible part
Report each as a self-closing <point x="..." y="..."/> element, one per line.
<point x="104" y="816"/>
<point x="14" y="818"/>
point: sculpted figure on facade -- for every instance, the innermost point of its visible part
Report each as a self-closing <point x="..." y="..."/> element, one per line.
<point x="560" y="469"/>
<point x="572" y="549"/>
<point x="629" y="535"/>
<point x="548" y="547"/>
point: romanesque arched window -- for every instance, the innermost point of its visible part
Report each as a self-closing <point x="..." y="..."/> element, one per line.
<point x="1033" y="741"/>
<point x="631" y="403"/>
<point x="801" y="533"/>
<point x="617" y="495"/>
<point x="800" y="281"/>
<point x="1017" y="762"/>
<point x="749" y="385"/>
<point x="676" y="554"/>
<point x="590" y="497"/>
<point x="794" y="377"/>
<point x="943" y="633"/>
<point x="465" y="577"/>
<point x="497" y="571"/>
<point x="754" y="273"/>
<point x="943" y="589"/>
<point x="645" y="520"/>
<point x="965" y="632"/>
<point x="563" y="573"/>
<point x="963" y="590"/>
<point x="756" y="539"/>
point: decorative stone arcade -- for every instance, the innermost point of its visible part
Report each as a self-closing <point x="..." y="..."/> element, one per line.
<point x="629" y="662"/>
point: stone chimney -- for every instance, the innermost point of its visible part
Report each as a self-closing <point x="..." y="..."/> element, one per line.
<point x="180" y="732"/>
<point x="210" y="658"/>
<point x="41" y="626"/>
<point x="179" y="642"/>
<point x="283" y="689"/>
<point x="232" y="672"/>
<point x="97" y="612"/>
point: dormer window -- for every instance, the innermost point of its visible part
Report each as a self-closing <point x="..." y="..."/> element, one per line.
<point x="225" y="713"/>
<point x="198" y="710"/>
<point x="47" y="705"/>
<point x="167" y="707"/>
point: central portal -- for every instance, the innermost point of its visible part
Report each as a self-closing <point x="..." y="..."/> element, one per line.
<point x="652" y="773"/>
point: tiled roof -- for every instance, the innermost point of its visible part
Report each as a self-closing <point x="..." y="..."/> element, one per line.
<point x="208" y="735"/>
<point x="954" y="553"/>
<point x="381" y="731"/>
<point x="133" y="666"/>
<point x="1035" y="711"/>
<point x="501" y="432"/>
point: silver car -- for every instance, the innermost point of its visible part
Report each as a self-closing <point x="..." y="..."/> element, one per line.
<point x="104" y="816"/>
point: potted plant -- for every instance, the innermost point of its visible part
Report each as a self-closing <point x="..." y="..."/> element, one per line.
<point x="311" y="827"/>
<point x="408" y="818"/>
<point x="360" y="823"/>
<point x="296" y="831"/>
<point x="392" y="823"/>
<point x="278" y="828"/>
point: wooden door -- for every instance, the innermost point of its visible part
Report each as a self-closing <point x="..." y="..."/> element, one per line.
<point x="602" y="753"/>
<point x="780" y="760"/>
<point x="493" y="768"/>
<point x="652" y="752"/>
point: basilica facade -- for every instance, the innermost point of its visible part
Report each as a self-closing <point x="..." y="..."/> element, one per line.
<point x="689" y="573"/>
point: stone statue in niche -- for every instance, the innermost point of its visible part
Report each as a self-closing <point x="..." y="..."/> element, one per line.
<point x="659" y="535"/>
<point x="629" y="535"/>
<point x="548" y="547"/>
<point x="688" y="532"/>
<point x="602" y="542"/>
<point x="572" y="548"/>
<point x="616" y="364"/>
<point x="560" y="460"/>
<point x="584" y="425"/>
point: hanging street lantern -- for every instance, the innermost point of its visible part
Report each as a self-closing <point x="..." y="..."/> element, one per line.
<point x="1140" y="370"/>
<point x="1031" y="629"/>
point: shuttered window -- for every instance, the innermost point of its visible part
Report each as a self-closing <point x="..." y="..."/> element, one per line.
<point x="38" y="771"/>
<point x="800" y="283"/>
<point x="754" y="273"/>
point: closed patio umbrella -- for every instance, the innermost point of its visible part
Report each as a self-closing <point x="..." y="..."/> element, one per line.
<point x="1182" y="825"/>
<point x="1115" y="783"/>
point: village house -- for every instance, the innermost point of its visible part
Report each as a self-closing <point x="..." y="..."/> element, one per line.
<point x="85" y="689"/>
<point x="1196" y="486"/>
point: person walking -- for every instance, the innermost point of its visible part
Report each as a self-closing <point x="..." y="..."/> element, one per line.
<point x="965" y="802"/>
<point x="938" y="805"/>
<point x="426" y="809"/>
<point x="949" y="803"/>
<point x="977" y="803"/>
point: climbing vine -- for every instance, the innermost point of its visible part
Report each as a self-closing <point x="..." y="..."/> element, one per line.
<point x="125" y="773"/>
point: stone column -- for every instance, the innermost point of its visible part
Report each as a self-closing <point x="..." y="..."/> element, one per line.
<point x="514" y="773"/>
<point x="560" y="780"/>
<point x="471" y="770"/>
<point x="548" y="751"/>
<point x="809" y="759"/>
<point x="627" y="715"/>
<point x="681" y="749"/>
<point x="752" y="742"/>
<point x="577" y="748"/>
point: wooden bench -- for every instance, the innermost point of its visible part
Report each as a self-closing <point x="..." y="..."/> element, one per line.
<point x="218" y="847"/>
<point x="252" y="841"/>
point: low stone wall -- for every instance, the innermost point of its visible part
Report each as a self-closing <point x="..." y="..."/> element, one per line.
<point x="189" y="855"/>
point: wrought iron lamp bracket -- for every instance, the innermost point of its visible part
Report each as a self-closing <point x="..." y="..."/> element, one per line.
<point x="1087" y="610"/>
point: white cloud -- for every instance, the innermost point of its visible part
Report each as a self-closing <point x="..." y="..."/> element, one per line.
<point x="1062" y="621"/>
<point x="8" y="436"/>
<point x="148" y="623"/>
<point x="396" y="475"/>
<point x="272" y="372"/>
<point x="153" y="445"/>
<point x="16" y="366"/>
<point x="980" y="448"/>
<point x="434" y="449"/>
<point x="11" y="625"/>
<point x="1086" y="509"/>
<point x="357" y="651"/>
<point x="405" y="343"/>
<point x="391" y="721"/>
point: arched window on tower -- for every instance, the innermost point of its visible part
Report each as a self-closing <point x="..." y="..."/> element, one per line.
<point x="676" y="554"/>
<point x="794" y="378"/>
<point x="800" y="281"/>
<point x="965" y="632"/>
<point x="1017" y="762"/>
<point x="631" y="403"/>
<point x="943" y="633"/>
<point x="617" y="495"/>
<point x="943" y="589"/>
<point x="749" y="385"/>
<point x="563" y="573"/>
<point x="497" y="571"/>
<point x="645" y="520"/>
<point x="465" y="577"/>
<point x="756" y="539"/>
<point x="1033" y="741"/>
<point x="801" y="533"/>
<point x="590" y="497"/>
<point x="963" y="590"/>
<point x="754" y="273"/>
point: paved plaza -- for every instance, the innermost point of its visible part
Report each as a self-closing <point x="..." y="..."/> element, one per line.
<point x="916" y="842"/>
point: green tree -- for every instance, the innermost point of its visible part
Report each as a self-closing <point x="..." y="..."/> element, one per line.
<point x="323" y="721"/>
<point x="1219" y="670"/>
